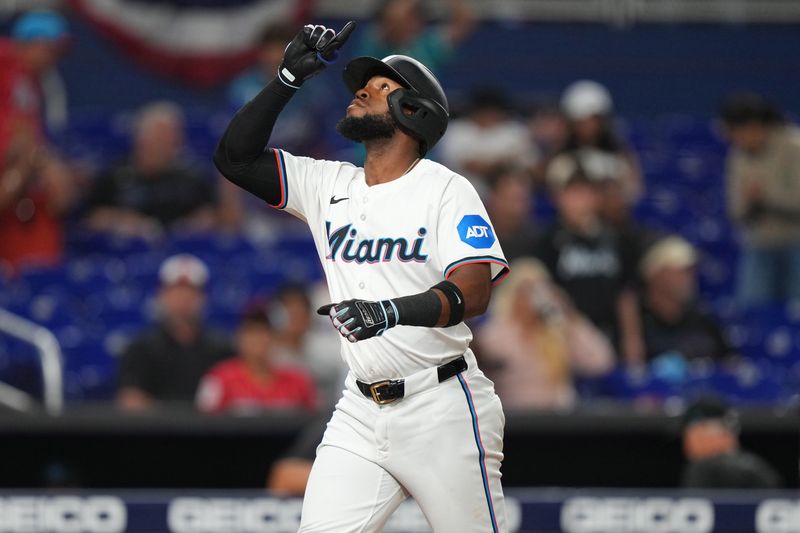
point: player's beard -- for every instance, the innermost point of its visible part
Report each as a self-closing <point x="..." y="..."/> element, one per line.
<point x="367" y="128"/>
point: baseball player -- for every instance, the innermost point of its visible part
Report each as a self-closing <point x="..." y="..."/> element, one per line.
<point x="409" y="253"/>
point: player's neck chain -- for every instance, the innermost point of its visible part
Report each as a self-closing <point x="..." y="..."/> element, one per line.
<point x="413" y="164"/>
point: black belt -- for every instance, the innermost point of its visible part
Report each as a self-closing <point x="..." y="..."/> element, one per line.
<point x="391" y="390"/>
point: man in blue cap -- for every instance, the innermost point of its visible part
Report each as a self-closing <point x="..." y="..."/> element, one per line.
<point x="39" y="40"/>
<point x="35" y="187"/>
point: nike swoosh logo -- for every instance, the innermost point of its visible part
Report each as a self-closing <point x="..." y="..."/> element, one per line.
<point x="458" y="300"/>
<point x="335" y="200"/>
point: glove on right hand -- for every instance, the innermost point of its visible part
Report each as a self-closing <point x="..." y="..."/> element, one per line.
<point x="311" y="50"/>
<point x="357" y="320"/>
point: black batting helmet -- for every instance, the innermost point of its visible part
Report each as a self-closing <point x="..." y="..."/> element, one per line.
<point x="422" y="95"/>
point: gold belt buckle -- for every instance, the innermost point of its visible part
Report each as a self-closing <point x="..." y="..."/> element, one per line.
<point x="376" y="395"/>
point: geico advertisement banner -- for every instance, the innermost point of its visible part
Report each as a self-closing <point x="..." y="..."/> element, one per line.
<point x="270" y="515"/>
<point x="136" y="512"/>
<point x="528" y="511"/>
<point x="72" y="514"/>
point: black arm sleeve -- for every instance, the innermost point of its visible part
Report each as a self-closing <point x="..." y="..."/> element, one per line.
<point x="240" y="154"/>
<point x="421" y="309"/>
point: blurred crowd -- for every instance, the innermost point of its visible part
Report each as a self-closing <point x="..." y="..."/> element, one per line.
<point x="592" y="290"/>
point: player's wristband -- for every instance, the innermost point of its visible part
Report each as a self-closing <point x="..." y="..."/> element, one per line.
<point x="456" y="299"/>
<point x="288" y="79"/>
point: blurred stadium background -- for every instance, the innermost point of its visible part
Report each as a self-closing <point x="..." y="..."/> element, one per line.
<point x="611" y="462"/>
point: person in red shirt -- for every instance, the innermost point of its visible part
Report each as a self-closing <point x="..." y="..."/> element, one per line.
<point x="253" y="381"/>
<point x="35" y="186"/>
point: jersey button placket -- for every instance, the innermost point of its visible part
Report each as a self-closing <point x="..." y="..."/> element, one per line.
<point x="364" y="200"/>
<point x="382" y="436"/>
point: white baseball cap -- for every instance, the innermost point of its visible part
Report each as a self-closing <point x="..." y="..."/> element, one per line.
<point x="585" y="98"/>
<point x="561" y="169"/>
<point x="600" y="165"/>
<point x="669" y="252"/>
<point x="183" y="268"/>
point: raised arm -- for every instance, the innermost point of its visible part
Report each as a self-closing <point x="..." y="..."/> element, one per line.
<point x="240" y="155"/>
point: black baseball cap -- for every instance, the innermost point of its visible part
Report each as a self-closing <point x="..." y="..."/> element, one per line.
<point x="706" y="408"/>
<point x="748" y="107"/>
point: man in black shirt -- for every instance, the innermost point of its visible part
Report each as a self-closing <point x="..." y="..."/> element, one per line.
<point x="672" y="320"/>
<point x="166" y="362"/>
<point x="711" y="444"/>
<point x="509" y="206"/>
<point x="586" y="258"/>
<point x="155" y="190"/>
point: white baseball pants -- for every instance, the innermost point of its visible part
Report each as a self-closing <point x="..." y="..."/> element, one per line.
<point x="441" y="445"/>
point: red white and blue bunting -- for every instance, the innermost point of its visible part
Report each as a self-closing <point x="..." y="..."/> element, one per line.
<point x="202" y="42"/>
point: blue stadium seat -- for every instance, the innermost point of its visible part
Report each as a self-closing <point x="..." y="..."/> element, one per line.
<point x="622" y="384"/>
<point x="83" y="242"/>
<point x="749" y="384"/>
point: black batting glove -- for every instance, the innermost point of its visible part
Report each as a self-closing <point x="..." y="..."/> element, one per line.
<point x="311" y="50"/>
<point x="356" y="320"/>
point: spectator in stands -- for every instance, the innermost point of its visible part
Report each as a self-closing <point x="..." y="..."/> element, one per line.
<point x="535" y="342"/>
<point x="608" y="162"/>
<point x="589" y="109"/>
<point x="618" y="214"/>
<point x="586" y="258"/>
<point x="549" y="131"/>
<point x="674" y="325"/>
<point x="298" y="344"/>
<point x="155" y="190"/>
<point x="614" y="207"/>
<point x="763" y="190"/>
<point x="41" y="37"/>
<point x="164" y="364"/>
<point x="36" y="186"/>
<point x="253" y="380"/>
<point x="400" y="28"/>
<point x="711" y="444"/>
<point x="509" y="206"/>
<point x="291" y="311"/>
<point x="486" y="139"/>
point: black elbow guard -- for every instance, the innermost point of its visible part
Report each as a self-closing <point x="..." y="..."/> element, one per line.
<point x="456" y="299"/>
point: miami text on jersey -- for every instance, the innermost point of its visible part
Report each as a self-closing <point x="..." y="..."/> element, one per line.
<point x="373" y="250"/>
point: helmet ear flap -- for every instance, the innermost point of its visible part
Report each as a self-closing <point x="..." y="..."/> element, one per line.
<point x="427" y="121"/>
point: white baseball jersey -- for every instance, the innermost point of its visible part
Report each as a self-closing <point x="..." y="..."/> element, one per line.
<point x="389" y="240"/>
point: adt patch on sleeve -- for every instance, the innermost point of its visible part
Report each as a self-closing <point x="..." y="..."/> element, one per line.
<point x="475" y="231"/>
